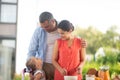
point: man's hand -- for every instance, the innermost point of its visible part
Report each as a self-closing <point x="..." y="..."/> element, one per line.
<point x="84" y="43"/>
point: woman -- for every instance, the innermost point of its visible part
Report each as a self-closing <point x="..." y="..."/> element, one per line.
<point x="68" y="54"/>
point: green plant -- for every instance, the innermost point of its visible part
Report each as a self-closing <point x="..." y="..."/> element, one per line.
<point x="19" y="77"/>
<point x="113" y="67"/>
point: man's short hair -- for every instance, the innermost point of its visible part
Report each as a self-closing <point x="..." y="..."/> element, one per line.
<point x="45" y="16"/>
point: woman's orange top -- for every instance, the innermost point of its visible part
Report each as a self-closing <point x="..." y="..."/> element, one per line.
<point x="68" y="58"/>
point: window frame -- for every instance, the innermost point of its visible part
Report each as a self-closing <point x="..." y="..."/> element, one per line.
<point x="8" y="3"/>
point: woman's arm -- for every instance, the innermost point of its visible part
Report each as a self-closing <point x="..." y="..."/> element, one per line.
<point x="55" y="60"/>
<point x="82" y="53"/>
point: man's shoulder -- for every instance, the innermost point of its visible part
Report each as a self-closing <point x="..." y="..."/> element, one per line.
<point x="39" y="29"/>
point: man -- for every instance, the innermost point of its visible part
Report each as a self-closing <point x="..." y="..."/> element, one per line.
<point x="42" y="42"/>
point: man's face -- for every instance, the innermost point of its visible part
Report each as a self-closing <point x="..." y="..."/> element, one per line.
<point x="48" y="25"/>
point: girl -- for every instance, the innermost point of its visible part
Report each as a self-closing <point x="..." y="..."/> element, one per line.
<point x="34" y="67"/>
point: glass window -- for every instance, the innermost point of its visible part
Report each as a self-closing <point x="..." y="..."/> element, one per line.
<point x="11" y="1"/>
<point x="8" y="13"/>
<point x="7" y="65"/>
<point x="8" y="43"/>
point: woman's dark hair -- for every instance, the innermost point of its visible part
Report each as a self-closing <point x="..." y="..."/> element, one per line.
<point x="45" y="16"/>
<point x="66" y="25"/>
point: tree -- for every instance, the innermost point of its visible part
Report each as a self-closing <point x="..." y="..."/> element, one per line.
<point x="97" y="39"/>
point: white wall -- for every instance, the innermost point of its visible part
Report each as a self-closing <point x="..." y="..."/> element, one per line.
<point x="27" y="22"/>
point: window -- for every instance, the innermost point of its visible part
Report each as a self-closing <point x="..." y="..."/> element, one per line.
<point x="11" y="1"/>
<point x="7" y="58"/>
<point x="8" y="11"/>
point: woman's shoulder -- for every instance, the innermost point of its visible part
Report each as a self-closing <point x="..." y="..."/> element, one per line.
<point x="78" y="41"/>
<point x="59" y="39"/>
<point x="78" y="38"/>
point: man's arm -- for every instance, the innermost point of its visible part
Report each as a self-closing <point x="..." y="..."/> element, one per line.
<point x="33" y="47"/>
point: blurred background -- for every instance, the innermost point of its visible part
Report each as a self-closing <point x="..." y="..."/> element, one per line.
<point x="97" y="21"/>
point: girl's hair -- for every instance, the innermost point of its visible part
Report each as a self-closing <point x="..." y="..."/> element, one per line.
<point x="31" y="63"/>
<point x="66" y="25"/>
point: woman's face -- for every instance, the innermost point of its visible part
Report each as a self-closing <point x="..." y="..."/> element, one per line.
<point x="64" y="34"/>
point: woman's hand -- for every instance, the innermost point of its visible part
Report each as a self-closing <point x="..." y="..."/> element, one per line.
<point x="79" y="70"/>
<point x="63" y="71"/>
